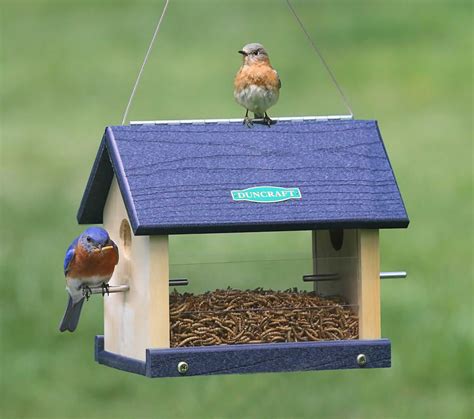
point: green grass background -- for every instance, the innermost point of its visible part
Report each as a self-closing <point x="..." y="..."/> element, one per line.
<point x="67" y="68"/>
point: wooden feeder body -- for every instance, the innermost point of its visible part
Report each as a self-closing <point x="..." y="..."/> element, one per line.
<point x="348" y="193"/>
<point x="138" y="319"/>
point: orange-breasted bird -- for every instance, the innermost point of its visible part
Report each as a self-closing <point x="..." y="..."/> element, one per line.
<point x="257" y="84"/>
<point x="90" y="261"/>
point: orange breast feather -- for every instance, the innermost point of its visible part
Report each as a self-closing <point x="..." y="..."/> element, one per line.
<point x="260" y="74"/>
<point x="94" y="264"/>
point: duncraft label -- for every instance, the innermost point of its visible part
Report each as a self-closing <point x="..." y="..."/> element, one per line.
<point x="266" y="194"/>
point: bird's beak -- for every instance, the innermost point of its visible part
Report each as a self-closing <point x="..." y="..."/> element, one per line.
<point x="243" y="53"/>
<point x="101" y="248"/>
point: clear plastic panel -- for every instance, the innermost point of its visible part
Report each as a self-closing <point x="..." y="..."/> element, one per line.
<point x="249" y="288"/>
<point x="243" y="261"/>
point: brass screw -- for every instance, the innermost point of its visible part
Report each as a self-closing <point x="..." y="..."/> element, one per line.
<point x="361" y="360"/>
<point x="183" y="367"/>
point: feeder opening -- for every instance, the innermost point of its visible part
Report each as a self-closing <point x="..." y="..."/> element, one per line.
<point x="254" y="288"/>
<point x="126" y="237"/>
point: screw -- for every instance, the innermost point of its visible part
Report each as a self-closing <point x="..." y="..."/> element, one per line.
<point x="361" y="360"/>
<point x="183" y="367"/>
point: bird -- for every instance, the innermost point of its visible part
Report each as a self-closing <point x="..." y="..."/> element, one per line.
<point x="90" y="261"/>
<point x="256" y="84"/>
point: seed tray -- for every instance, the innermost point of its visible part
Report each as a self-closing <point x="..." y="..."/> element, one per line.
<point x="231" y="316"/>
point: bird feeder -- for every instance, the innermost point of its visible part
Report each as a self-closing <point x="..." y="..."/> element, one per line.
<point x="154" y="180"/>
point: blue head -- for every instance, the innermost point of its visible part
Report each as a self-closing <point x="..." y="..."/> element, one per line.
<point x="94" y="238"/>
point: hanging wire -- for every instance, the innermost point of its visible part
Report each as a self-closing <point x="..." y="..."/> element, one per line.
<point x="157" y="29"/>
<point x="315" y="48"/>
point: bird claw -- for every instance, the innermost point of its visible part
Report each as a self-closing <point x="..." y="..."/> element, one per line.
<point x="267" y="120"/>
<point x="248" y="122"/>
<point x="86" y="292"/>
<point x="105" y="289"/>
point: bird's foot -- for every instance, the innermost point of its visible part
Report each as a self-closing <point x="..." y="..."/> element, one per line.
<point x="86" y="292"/>
<point x="267" y="120"/>
<point x="105" y="289"/>
<point x="248" y="122"/>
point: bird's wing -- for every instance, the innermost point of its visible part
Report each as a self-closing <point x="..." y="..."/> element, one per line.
<point x="278" y="77"/>
<point x="70" y="252"/>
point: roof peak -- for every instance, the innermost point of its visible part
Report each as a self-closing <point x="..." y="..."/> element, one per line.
<point x="239" y="120"/>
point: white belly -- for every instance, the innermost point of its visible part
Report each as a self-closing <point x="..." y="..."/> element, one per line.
<point x="74" y="285"/>
<point x="256" y="99"/>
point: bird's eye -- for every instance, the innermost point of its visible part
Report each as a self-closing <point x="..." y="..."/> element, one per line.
<point x="89" y="239"/>
<point x="257" y="52"/>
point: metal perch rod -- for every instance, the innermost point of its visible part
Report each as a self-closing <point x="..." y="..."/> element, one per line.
<point x="335" y="277"/>
<point x="393" y="275"/>
<point x="320" y="277"/>
<point x="112" y="289"/>
<point x="177" y="282"/>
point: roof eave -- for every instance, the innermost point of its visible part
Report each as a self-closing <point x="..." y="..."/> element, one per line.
<point x="97" y="189"/>
<point x="151" y="230"/>
<point x="107" y="164"/>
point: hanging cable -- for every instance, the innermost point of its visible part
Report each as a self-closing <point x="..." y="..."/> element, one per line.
<point x="315" y="48"/>
<point x="144" y="62"/>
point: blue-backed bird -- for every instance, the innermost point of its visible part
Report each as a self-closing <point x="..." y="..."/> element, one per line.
<point x="89" y="262"/>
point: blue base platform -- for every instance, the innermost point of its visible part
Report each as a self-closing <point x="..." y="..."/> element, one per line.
<point x="252" y="358"/>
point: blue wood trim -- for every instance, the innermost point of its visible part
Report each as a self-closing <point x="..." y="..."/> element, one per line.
<point x="118" y="362"/>
<point x="121" y="178"/>
<point x="97" y="188"/>
<point x="150" y="230"/>
<point x="394" y="178"/>
<point x="255" y="358"/>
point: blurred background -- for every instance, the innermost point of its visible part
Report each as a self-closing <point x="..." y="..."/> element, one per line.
<point x="67" y="69"/>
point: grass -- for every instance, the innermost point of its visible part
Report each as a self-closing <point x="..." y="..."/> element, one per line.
<point x="66" y="72"/>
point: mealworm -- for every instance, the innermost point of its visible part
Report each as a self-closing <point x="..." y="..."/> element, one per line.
<point x="253" y="316"/>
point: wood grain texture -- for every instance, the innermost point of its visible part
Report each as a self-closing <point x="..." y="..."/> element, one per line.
<point x="137" y="319"/>
<point x="242" y="359"/>
<point x="369" y="284"/>
<point x="177" y="178"/>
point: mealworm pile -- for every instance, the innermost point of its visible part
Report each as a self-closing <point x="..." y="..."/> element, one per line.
<point x="233" y="316"/>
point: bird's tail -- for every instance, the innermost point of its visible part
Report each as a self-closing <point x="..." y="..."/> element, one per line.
<point x="71" y="316"/>
<point x="259" y="115"/>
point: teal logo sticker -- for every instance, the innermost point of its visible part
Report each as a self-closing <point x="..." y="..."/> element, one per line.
<point x="266" y="194"/>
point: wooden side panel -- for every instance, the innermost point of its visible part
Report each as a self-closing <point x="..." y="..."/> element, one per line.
<point x="358" y="266"/>
<point x="369" y="284"/>
<point x="137" y="319"/>
<point x="158" y="313"/>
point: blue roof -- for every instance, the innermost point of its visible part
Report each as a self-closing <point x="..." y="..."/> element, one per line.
<point x="178" y="178"/>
